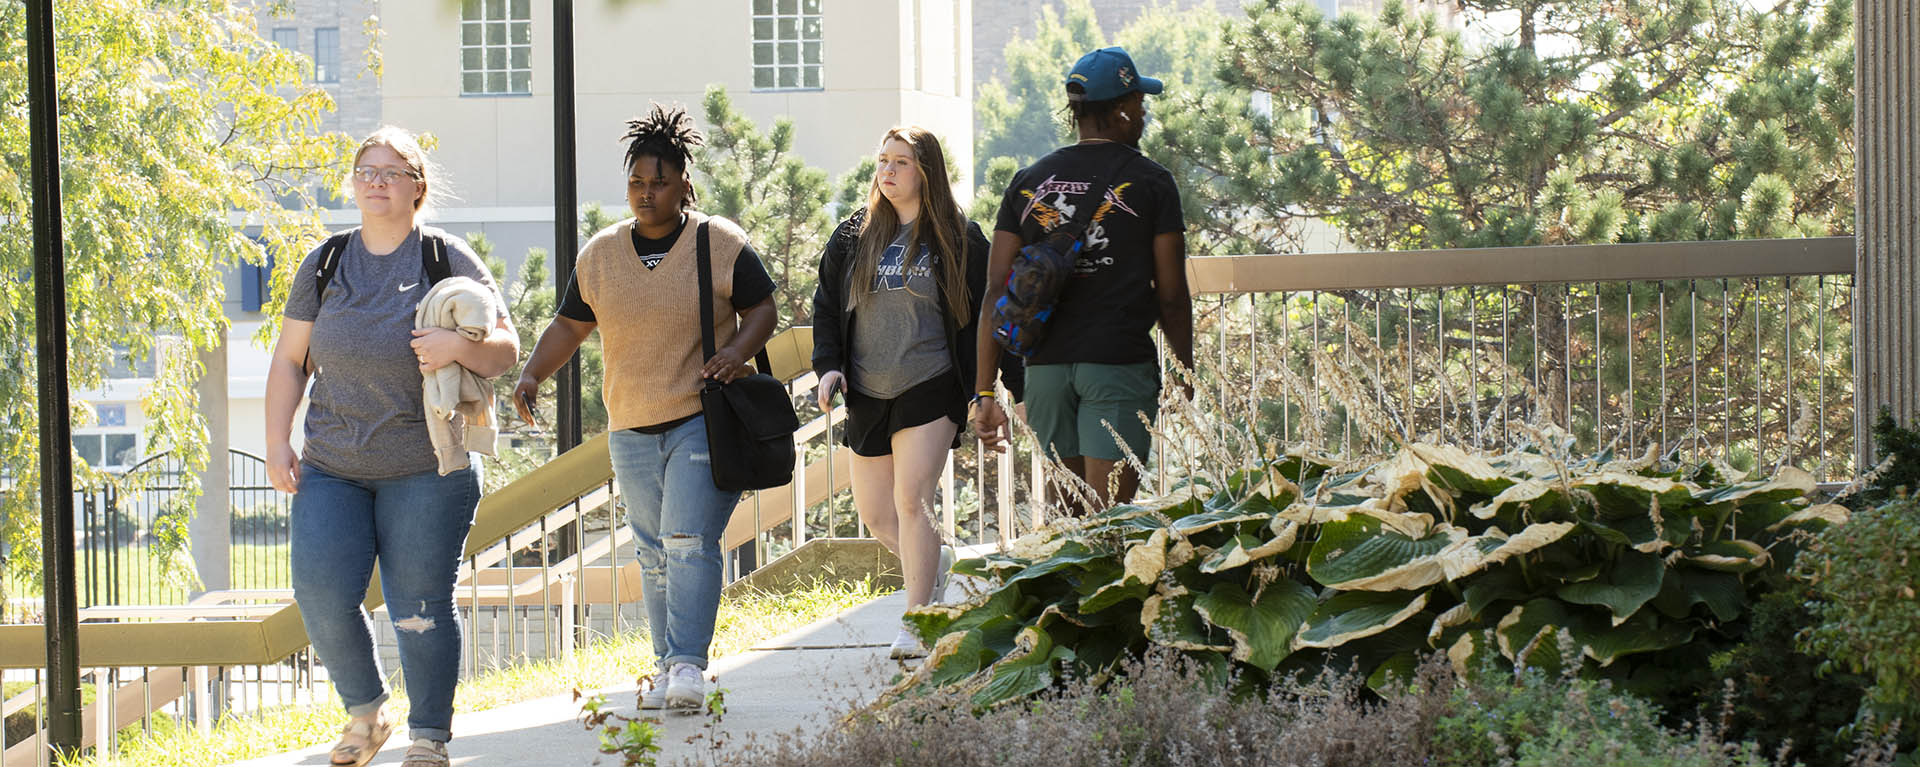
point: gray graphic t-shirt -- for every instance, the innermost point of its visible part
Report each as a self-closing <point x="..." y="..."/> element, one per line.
<point x="899" y="339"/>
<point x="365" y="419"/>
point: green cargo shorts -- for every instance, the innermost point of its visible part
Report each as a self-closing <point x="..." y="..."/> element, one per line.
<point x="1067" y="402"/>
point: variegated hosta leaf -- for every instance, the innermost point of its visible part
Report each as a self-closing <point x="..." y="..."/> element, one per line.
<point x="1024" y="672"/>
<point x="1360" y="554"/>
<point x="1352" y="615"/>
<point x="1527" y="634"/>
<point x="1263" y="630"/>
<point x="1621" y="496"/>
<point x="1171" y="621"/>
<point x="1145" y="560"/>
<point x="1451" y="467"/>
<point x="1245" y="548"/>
<point x="1471" y="555"/>
<point x="1786" y="484"/>
<point x="1732" y="556"/>
<point x="1812" y="518"/>
<point x="1634" y="579"/>
<point x="1071" y="554"/>
<point x="1643" y="633"/>
<point x="1454" y="616"/>
<point x="1527" y="499"/>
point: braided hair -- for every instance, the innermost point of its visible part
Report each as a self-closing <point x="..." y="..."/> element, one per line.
<point x="667" y="135"/>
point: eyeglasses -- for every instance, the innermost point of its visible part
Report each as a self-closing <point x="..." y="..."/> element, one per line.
<point x="368" y="174"/>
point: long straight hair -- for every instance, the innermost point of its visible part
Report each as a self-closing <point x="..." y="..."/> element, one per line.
<point x="941" y="226"/>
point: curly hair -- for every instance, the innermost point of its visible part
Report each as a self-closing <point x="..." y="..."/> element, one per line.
<point x="666" y="133"/>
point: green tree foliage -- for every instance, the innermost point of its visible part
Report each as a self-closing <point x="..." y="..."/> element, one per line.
<point x="176" y="118"/>
<point x="753" y="177"/>
<point x="1589" y="122"/>
<point x="1205" y="131"/>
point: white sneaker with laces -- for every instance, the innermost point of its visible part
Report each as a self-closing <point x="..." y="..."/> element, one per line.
<point x="655" y="698"/>
<point x="686" y="688"/>
<point x="906" y="645"/>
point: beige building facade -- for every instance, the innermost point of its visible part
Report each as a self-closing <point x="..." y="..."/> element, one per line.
<point x="478" y="75"/>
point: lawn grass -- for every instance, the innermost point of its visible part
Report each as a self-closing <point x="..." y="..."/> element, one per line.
<point x="744" y="621"/>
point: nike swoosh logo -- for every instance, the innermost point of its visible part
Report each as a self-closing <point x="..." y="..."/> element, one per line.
<point x="405" y="288"/>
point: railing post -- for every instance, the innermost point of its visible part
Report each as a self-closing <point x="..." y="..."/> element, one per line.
<point x="1886" y="117"/>
<point x="56" y="433"/>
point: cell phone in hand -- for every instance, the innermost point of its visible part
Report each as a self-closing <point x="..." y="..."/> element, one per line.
<point x="526" y="401"/>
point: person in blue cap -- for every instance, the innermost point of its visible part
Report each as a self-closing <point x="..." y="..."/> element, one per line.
<point x="1097" y="365"/>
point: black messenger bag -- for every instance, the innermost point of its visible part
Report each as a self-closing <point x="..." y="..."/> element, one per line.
<point x="750" y="422"/>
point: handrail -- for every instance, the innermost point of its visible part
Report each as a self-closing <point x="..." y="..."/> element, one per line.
<point x="269" y="638"/>
<point x="1652" y="261"/>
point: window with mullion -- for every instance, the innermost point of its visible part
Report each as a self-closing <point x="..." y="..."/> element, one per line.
<point x="788" y="45"/>
<point x="496" y="47"/>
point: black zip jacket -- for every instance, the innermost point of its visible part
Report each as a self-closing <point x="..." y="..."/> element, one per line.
<point x="833" y="324"/>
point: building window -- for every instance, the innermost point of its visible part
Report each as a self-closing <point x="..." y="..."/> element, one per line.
<point x="786" y="44"/>
<point x="496" y="47"/>
<point x="287" y="37"/>
<point x="326" y="55"/>
<point x="107" y="451"/>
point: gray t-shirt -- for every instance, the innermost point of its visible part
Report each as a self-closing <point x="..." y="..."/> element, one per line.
<point x="899" y="339"/>
<point x="365" y="419"/>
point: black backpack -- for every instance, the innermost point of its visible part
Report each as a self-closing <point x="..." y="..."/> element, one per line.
<point x="1040" y="272"/>
<point x="433" y="261"/>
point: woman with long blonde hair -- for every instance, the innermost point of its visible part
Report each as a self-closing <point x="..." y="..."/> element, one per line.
<point x="894" y="318"/>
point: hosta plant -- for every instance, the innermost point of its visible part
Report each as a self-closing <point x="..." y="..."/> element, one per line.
<point x="1299" y="562"/>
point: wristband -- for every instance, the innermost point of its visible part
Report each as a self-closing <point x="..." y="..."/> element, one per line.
<point x="979" y="396"/>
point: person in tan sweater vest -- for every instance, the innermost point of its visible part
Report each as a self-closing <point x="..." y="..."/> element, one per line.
<point x="637" y="283"/>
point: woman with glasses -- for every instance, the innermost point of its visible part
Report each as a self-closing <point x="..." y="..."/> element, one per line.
<point x="366" y="482"/>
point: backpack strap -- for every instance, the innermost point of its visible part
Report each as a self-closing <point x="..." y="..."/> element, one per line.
<point x="433" y="257"/>
<point x="322" y="274"/>
<point x="329" y="263"/>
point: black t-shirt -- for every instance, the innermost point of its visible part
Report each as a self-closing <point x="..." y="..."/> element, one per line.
<point x="1107" y="311"/>
<point x="751" y="284"/>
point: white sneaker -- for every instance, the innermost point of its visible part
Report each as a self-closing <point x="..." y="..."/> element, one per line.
<point x="906" y="645"/>
<point x="940" y="575"/>
<point x="686" y="688"/>
<point x="655" y="698"/>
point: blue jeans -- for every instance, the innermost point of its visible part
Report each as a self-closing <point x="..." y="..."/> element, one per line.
<point x="416" y="527"/>
<point x="678" y="516"/>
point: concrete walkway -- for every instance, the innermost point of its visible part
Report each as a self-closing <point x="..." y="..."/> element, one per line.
<point x="800" y="681"/>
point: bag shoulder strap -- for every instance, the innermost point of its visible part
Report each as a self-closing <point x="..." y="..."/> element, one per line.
<point x="703" y="254"/>
<point x="433" y="257"/>
<point x="329" y="263"/>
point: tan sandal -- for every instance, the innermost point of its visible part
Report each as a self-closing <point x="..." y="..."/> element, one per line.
<point x="359" y="741"/>
<point x="426" y="753"/>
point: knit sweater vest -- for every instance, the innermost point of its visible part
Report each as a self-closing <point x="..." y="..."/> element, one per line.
<point x="649" y="319"/>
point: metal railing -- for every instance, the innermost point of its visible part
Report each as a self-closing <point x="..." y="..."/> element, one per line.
<point x="1735" y="351"/>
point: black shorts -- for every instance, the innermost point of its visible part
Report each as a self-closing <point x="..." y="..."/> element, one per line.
<point x="871" y="421"/>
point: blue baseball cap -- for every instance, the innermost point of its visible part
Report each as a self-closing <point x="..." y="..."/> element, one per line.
<point x="1108" y="74"/>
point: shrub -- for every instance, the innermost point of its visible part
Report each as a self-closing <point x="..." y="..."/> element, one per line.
<point x="1866" y="573"/>
<point x="1776" y="694"/>
<point x="1300" y="563"/>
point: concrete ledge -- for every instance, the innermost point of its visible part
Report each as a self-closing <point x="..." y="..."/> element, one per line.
<point x="840" y="560"/>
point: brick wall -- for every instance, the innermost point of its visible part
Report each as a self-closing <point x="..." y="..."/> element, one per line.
<point x="355" y="89"/>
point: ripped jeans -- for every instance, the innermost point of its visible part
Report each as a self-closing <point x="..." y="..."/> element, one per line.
<point x="666" y="484"/>
<point x="416" y="527"/>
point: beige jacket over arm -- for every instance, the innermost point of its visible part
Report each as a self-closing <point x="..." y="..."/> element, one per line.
<point x="459" y="403"/>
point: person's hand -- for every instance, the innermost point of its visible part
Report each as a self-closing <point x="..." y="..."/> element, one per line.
<point x="524" y="394"/>
<point x="725" y="366"/>
<point x="436" y="348"/>
<point x="990" y="423"/>
<point x="283" y="468"/>
<point x="830" y="382"/>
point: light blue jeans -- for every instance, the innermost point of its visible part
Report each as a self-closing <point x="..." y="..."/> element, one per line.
<point x="416" y="527"/>
<point x="666" y="484"/>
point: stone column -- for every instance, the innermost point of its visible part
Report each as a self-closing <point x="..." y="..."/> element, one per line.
<point x="1886" y="118"/>
<point x="212" y="530"/>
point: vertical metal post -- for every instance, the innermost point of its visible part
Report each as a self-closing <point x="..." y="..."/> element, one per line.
<point x="56" y="434"/>
<point x="566" y="227"/>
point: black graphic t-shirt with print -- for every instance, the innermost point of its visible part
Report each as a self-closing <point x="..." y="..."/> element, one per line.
<point x="1107" y="311"/>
